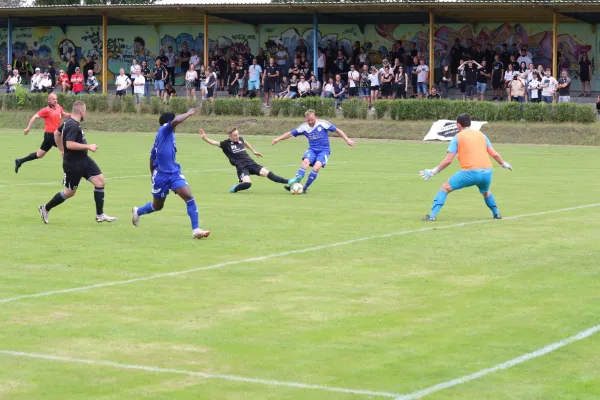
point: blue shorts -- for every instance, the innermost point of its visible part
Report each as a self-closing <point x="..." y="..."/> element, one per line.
<point x="422" y="87"/>
<point x="313" y="157"/>
<point x="162" y="182"/>
<point x="159" y="85"/>
<point x="481" y="87"/>
<point x="482" y="178"/>
<point x="364" y="91"/>
<point x="253" y="85"/>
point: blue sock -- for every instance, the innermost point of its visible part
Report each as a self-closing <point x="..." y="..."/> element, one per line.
<point x="311" y="178"/>
<point x="146" y="209"/>
<point x="491" y="203"/>
<point x="438" y="203"/>
<point x="192" y="211"/>
<point x="301" y="172"/>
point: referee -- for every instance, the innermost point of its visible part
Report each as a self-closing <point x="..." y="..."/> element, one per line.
<point x="77" y="164"/>
<point x="52" y="116"/>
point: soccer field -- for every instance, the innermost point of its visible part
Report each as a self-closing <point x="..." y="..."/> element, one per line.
<point x="339" y="294"/>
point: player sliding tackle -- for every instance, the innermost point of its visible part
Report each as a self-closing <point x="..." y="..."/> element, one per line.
<point x="317" y="155"/>
<point x="235" y="150"/>
<point x="472" y="148"/>
<point x="166" y="174"/>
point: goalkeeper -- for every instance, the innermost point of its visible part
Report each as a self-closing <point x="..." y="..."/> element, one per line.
<point x="473" y="148"/>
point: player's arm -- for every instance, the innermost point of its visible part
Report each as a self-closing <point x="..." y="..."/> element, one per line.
<point x="207" y="139"/>
<point x="451" y="153"/>
<point x="80" y="146"/>
<point x="182" y="117"/>
<point x="249" y="147"/>
<point x="496" y="156"/>
<point x="341" y="134"/>
<point x="58" y="140"/>
<point x="31" y="121"/>
<point x="282" y="137"/>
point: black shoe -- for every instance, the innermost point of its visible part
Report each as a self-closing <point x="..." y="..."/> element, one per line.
<point x="287" y="187"/>
<point x="498" y="216"/>
<point x="494" y="99"/>
<point x="17" y="166"/>
<point x="581" y="95"/>
<point x="428" y="218"/>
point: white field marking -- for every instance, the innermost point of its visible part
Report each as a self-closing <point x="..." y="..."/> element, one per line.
<point x="505" y="365"/>
<point x="270" y="382"/>
<point x="430" y="227"/>
<point x="189" y="171"/>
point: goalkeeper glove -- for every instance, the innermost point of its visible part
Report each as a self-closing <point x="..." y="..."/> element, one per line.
<point x="506" y="165"/>
<point x="428" y="173"/>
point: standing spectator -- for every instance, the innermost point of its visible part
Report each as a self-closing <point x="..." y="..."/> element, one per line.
<point x="497" y="78"/>
<point x="305" y="69"/>
<point x="195" y="61"/>
<point x="422" y="79"/>
<point x="71" y="65"/>
<point x="13" y="81"/>
<point x="36" y="78"/>
<point x="437" y="67"/>
<point x="191" y="78"/>
<point x="134" y="70"/>
<point x="330" y="56"/>
<point x="515" y="64"/>
<point x="339" y="89"/>
<point x="51" y="73"/>
<point x="295" y="69"/>
<point x="533" y="87"/>
<point x="434" y="95"/>
<point x="516" y="88"/>
<point x="211" y="83"/>
<point x="374" y="79"/>
<point x="320" y="64"/>
<point x="355" y="53"/>
<point x="353" y="82"/>
<point x="91" y="83"/>
<point x="261" y="59"/>
<point x="242" y="75"/>
<point x="365" y="85"/>
<point x="164" y="60"/>
<point x="184" y="58"/>
<point x="7" y="72"/>
<point x="201" y="86"/>
<point x="386" y="83"/>
<point x="548" y="87"/>
<point x="123" y="82"/>
<point x="25" y="69"/>
<point x="220" y="68"/>
<point x="528" y="77"/>
<point x="401" y="79"/>
<point x="564" y="87"/>
<point x="303" y="87"/>
<point x="585" y="72"/>
<point x="139" y="86"/>
<point x="254" y="73"/>
<point x="470" y="69"/>
<point x="508" y="77"/>
<point x="414" y="77"/>
<point x="77" y="82"/>
<point x="505" y="56"/>
<point x="147" y="74"/>
<point x="160" y="76"/>
<point x="46" y="83"/>
<point x="341" y="65"/>
<point x="456" y="53"/>
<point x="524" y="58"/>
<point x="269" y="80"/>
<point x="171" y="57"/>
<point x="412" y="53"/>
<point x="527" y="52"/>
<point x="234" y="87"/>
<point x="398" y="50"/>
<point x="281" y="58"/>
<point x="63" y="81"/>
<point x="446" y="79"/>
<point x="482" y="77"/>
<point x="89" y="65"/>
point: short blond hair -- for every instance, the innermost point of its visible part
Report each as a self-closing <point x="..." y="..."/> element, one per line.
<point x="78" y="107"/>
<point x="310" y="111"/>
<point x="231" y="129"/>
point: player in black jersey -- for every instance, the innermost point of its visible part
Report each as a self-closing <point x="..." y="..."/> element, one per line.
<point x="71" y="141"/>
<point x="235" y="150"/>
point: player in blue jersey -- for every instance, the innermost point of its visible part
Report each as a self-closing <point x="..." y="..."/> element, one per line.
<point x="166" y="174"/>
<point x="317" y="155"/>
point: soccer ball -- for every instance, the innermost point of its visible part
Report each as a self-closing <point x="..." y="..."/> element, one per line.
<point x="296" y="188"/>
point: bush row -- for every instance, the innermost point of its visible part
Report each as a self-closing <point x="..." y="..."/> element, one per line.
<point x="325" y="108"/>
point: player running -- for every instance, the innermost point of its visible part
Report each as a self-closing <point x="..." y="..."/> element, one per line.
<point x="235" y="150"/>
<point x="52" y="116"/>
<point x="472" y="148"/>
<point x="317" y="155"/>
<point x="166" y="174"/>
<point x="71" y="141"/>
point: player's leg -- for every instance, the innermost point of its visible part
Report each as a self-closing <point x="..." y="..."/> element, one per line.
<point x="275" y="178"/>
<point x="47" y="144"/>
<point x="308" y="158"/>
<point x="485" y="181"/>
<point x="99" y="182"/>
<point x="459" y="180"/>
<point x="245" y="183"/>
<point x="160" y="191"/>
<point x="70" y="182"/>
<point x="192" y="209"/>
<point x="320" y="162"/>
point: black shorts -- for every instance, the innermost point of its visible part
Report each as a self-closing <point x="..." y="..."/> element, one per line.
<point x="353" y="91"/>
<point x="496" y="82"/>
<point x="270" y="84"/>
<point x="248" y="169"/>
<point x="121" y="92"/>
<point x="48" y="142"/>
<point x="84" y="169"/>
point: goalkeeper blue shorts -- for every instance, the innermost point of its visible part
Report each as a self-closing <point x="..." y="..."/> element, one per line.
<point x="482" y="178"/>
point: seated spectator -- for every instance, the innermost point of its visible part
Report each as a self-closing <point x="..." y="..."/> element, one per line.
<point x="36" y="78"/>
<point x="328" y="89"/>
<point x="46" y="83"/>
<point x="303" y="87"/>
<point x="282" y="89"/>
<point x="434" y="95"/>
<point x="13" y="81"/>
<point x="292" y="91"/>
<point x="315" y="86"/>
<point x="339" y="90"/>
<point x="170" y="92"/>
<point x="91" y="83"/>
<point x="63" y="81"/>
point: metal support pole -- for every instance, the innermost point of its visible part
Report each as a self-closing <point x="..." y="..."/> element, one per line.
<point x="206" y="63"/>
<point x="431" y="51"/>
<point x="9" y="48"/>
<point x="104" y="54"/>
<point x="316" y="46"/>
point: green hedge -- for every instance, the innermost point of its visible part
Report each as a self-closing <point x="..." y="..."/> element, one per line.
<point x="483" y="111"/>
<point x="356" y="109"/>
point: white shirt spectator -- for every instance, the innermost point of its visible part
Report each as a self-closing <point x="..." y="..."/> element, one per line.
<point x="171" y="57"/>
<point x="534" y="86"/>
<point x="45" y="83"/>
<point x="422" y="71"/>
<point x="138" y="85"/>
<point x="525" y="59"/>
<point x="549" y="84"/>
<point x="303" y="86"/>
<point x="195" y="60"/>
<point x="35" y="81"/>
<point x="133" y="70"/>
<point x="321" y="61"/>
<point x="509" y="75"/>
<point x="14" y="80"/>
<point x="254" y="71"/>
<point x="281" y="57"/>
<point x="374" y="78"/>
<point x="122" y="82"/>
<point x="351" y="76"/>
<point x="328" y="88"/>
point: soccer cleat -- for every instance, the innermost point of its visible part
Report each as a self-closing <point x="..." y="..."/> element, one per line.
<point x="497" y="216"/>
<point x="288" y="187"/>
<point x="17" y="166"/>
<point x="200" y="234"/>
<point x="104" y="218"/>
<point x="295" y="179"/>
<point x="232" y="190"/>
<point x="428" y="218"/>
<point x="43" y="213"/>
<point x="135" y="218"/>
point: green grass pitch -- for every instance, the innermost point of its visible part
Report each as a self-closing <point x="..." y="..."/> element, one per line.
<point x="392" y="315"/>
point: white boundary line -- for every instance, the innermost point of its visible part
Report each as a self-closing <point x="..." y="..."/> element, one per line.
<point x="190" y="171"/>
<point x="431" y="227"/>
<point x="235" y="378"/>
<point x="505" y="365"/>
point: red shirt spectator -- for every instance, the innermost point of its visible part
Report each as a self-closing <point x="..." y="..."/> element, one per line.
<point x="77" y="81"/>
<point x="63" y="78"/>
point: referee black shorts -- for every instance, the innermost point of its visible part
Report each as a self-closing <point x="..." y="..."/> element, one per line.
<point x="73" y="173"/>
<point x="48" y="142"/>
